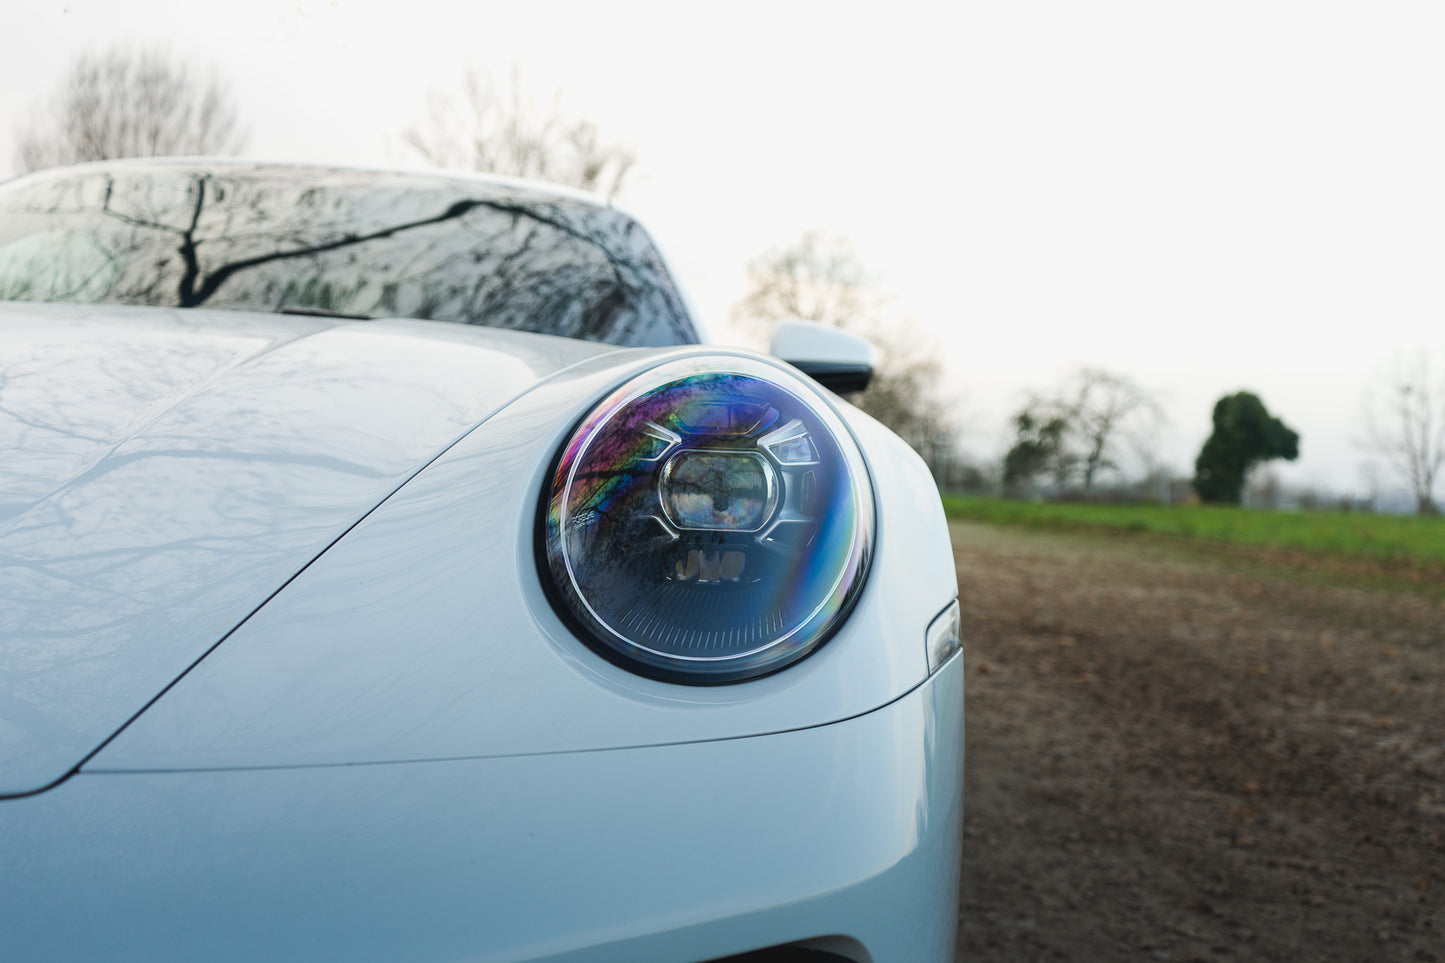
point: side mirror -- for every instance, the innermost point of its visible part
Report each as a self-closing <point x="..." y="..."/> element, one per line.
<point x="837" y="360"/>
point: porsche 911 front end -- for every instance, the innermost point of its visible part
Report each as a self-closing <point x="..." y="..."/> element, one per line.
<point x="402" y="638"/>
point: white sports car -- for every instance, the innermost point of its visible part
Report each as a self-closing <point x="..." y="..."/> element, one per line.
<point x="387" y="571"/>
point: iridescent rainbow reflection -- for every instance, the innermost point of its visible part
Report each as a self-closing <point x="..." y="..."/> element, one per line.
<point x="709" y="526"/>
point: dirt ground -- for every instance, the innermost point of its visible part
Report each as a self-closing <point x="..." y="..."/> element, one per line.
<point x="1176" y="754"/>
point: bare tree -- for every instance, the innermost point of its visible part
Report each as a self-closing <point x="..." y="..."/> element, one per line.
<point x="820" y="278"/>
<point x="1406" y="423"/>
<point x="817" y="278"/>
<point x="129" y="104"/>
<point x="1077" y="431"/>
<point x="1104" y="407"/>
<point x="906" y="392"/>
<point x="496" y="126"/>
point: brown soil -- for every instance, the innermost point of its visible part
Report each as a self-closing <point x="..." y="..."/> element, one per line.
<point x="1173" y="756"/>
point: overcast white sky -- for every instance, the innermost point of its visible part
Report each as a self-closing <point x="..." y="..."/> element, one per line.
<point x="1205" y="197"/>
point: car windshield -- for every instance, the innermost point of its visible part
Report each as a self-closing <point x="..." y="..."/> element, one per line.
<point x="350" y="243"/>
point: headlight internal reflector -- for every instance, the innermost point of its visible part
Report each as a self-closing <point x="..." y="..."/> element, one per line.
<point x="709" y="522"/>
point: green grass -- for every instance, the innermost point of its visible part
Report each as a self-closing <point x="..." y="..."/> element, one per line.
<point x="1386" y="538"/>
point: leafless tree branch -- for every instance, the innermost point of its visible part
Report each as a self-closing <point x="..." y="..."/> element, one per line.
<point x="1406" y="424"/>
<point x="122" y="104"/>
<point x="820" y="278"/>
<point x="497" y="127"/>
<point x="817" y="278"/>
<point x="1076" y="432"/>
<point x="1103" y="402"/>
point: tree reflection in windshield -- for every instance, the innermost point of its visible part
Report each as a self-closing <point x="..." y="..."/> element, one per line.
<point x="365" y="244"/>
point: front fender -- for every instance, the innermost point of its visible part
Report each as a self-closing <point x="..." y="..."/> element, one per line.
<point x="425" y="632"/>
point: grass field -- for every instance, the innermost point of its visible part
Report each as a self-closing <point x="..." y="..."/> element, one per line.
<point x="1407" y="540"/>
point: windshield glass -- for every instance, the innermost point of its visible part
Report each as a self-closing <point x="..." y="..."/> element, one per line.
<point x="353" y="243"/>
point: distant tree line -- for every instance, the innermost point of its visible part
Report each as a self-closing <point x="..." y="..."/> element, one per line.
<point x="1071" y="437"/>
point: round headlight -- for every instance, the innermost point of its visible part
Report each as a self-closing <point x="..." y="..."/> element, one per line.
<point x="709" y="522"/>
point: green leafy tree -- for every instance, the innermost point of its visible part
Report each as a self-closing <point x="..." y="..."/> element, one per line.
<point x="1245" y="435"/>
<point x="1039" y="448"/>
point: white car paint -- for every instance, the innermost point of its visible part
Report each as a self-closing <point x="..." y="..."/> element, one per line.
<point x="811" y="342"/>
<point x="140" y="528"/>
<point x="666" y="854"/>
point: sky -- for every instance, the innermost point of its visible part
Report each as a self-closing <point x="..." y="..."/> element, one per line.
<point x="1203" y="197"/>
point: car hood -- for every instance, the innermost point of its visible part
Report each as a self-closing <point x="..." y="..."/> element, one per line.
<point x="166" y="472"/>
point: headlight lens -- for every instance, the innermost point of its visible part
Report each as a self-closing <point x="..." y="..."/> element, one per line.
<point x="708" y="522"/>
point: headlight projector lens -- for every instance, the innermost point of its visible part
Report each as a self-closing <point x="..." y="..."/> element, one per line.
<point x="708" y="522"/>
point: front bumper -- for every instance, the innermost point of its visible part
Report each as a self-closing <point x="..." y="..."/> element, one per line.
<point x="672" y="853"/>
